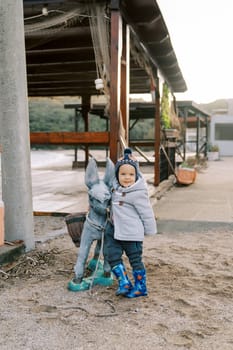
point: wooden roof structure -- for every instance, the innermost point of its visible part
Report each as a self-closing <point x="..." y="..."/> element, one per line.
<point x="191" y="111"/>
<point x="60" y="53"/>
<point x="63" y="58"/>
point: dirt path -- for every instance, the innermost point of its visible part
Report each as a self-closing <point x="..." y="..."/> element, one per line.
<point x="189" y="304"/>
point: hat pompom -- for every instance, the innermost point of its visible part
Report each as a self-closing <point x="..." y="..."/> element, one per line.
<point x="127" y="153"/>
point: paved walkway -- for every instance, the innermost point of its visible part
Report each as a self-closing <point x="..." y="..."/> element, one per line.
<point x="208" y="203"/>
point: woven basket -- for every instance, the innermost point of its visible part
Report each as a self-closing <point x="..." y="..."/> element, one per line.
<point x="75" y="224"/>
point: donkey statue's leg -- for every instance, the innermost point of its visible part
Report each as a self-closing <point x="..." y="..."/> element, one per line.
<point x="78" y="284"/>
<point x="84" y="250"/>
<point x="93" y="262"/>
<point x="96" y="259"/>
<point x="107" y="267"/>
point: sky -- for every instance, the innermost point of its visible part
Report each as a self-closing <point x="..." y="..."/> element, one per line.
<point x="201" y="33"/>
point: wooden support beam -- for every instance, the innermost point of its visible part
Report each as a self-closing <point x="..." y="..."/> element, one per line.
<point x="142" y="154"/>
<point x="86" y="105"/>
<point x="197" y="137"/>
<point x="115" y="69"/>
<point x="144" y="143"/>
<point x="125" y="67"/>
<point x="70" y="138"/>
<point x="185" y="130"/>
<point x="157" y="135"/>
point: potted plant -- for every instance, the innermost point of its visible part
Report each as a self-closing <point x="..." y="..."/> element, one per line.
<point x="186" y="173"/>
<point x="212" y="152"/>
<point x="166" y="116"/>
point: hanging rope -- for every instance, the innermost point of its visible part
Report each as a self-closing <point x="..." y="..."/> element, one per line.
<point x="100" y="27"/>
<point x="58" y="22"/>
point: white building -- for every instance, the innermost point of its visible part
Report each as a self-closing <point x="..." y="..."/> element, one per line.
<point x="221" y="129"/>
<point x="221" y="133"/>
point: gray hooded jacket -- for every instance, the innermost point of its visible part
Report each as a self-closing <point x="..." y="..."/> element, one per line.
<point x="132" y="213"/>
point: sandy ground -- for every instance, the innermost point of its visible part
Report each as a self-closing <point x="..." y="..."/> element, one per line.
<point x="189" y="304"/>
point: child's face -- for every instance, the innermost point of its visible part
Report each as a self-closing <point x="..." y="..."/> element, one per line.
<point x="126" y="175"/>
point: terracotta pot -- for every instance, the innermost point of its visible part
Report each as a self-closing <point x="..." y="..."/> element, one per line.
<point x="186" y="176"/>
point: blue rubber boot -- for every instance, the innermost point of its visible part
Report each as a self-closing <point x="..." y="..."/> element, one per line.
<point x="124" y="284"/>
<point x="139" y="289"/>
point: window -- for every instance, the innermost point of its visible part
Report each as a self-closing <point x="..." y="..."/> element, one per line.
<point x="224" y="132"/>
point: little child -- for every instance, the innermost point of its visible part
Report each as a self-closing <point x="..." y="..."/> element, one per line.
<point x="133" y="217"/>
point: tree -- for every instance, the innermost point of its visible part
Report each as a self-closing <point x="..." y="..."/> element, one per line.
<point x="165" y="108"/>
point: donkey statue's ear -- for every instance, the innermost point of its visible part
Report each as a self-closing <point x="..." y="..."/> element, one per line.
<point x="91" y="174"/>
<point x="109" y="172"/>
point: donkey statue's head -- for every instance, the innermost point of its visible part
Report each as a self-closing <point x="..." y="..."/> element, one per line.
<point x="99" y="190"/>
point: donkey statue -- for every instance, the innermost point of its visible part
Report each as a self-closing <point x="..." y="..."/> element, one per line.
<point x="95" y="226"/>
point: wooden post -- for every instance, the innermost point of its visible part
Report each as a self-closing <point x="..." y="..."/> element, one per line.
<point x="185" y="129"/>
<point x="198" y="136"/>
<point x="115" y="70"/>
<point x="206" y="136"/>
<point x="76" y="117"/>
<point x="85" y="110"/>
<point x="125" y="67"/>
<point x="157" y="135"/>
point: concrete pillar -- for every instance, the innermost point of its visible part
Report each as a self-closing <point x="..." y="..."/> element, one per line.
<point x="14" y="126"/>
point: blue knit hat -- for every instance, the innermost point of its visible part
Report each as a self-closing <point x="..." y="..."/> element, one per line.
<point x="126" y="160"/>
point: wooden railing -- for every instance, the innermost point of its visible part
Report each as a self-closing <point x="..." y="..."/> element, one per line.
<point x="70" y="138"/>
